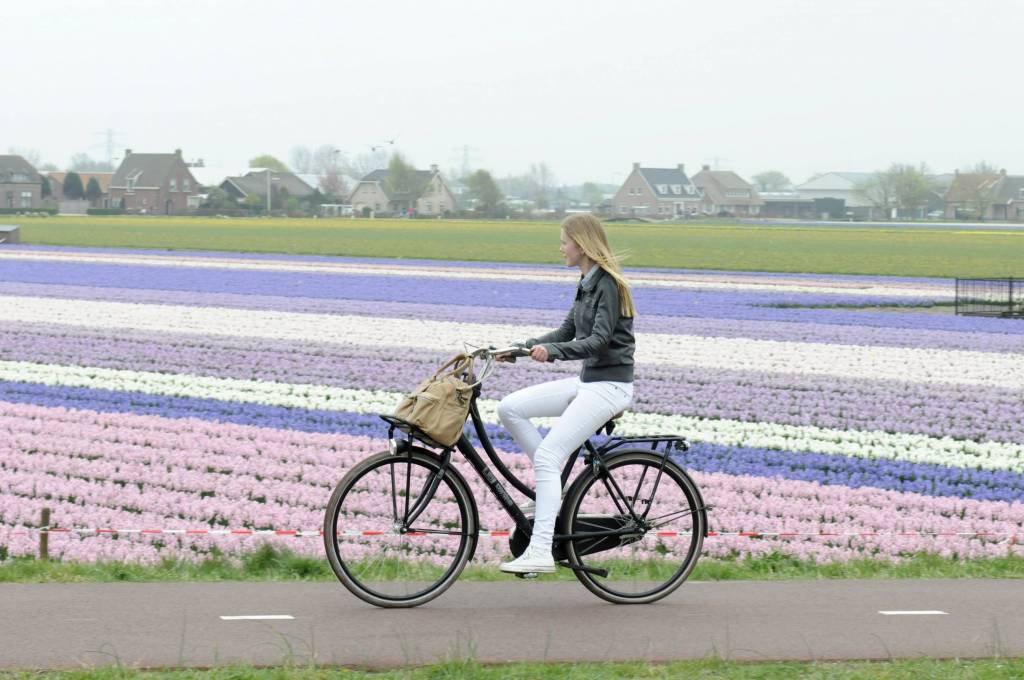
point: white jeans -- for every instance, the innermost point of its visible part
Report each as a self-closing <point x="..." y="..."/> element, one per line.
<point x="583" y="407"/>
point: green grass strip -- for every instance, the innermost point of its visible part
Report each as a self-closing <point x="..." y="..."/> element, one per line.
<point x="893" y="251"/>
<point x="468" y="669"/>
<point x="270" y="564"/>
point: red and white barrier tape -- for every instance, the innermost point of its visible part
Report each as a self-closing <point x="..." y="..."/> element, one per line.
<point x="25" y="531"/>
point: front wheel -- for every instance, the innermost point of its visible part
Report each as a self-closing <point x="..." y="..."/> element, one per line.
<point x="658" y="520"/>
<point x="397" y="531"/>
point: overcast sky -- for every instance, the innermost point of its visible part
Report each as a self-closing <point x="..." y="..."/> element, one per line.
<point x="801" y="86"/>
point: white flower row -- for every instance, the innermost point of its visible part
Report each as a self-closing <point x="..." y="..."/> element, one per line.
<point x="873" y="444"/>
<point x="737" y="281"/>
<point x="924" y="365"/>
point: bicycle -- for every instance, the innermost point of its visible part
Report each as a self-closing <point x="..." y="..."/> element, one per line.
<point x="402" y="524"/>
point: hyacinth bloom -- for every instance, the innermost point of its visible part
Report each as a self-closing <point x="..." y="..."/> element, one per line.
<point x="156" y="392"/>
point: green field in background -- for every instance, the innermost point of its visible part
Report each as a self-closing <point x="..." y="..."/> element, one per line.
<point x="892" y="251"/>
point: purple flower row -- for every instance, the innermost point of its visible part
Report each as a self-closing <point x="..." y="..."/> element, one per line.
<point x="958" y="411"/>
<point x="753" y="305"/>
<point x="794" y="331"/>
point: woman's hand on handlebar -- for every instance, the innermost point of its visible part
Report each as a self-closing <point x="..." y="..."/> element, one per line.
<point x="509" y="356"/>
<point x="539" y="353"/>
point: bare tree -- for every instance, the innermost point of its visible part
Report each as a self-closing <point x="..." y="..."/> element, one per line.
<point x="83" y="162"/>
<point x="363" y="164"/>
<point x="772" y="180"/>
<point x="879" y="190"/>
<point x="31" y="155"/>
<point x="302" y="159"/>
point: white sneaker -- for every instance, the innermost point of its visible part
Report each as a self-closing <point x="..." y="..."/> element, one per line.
<point x="531" y="561"/>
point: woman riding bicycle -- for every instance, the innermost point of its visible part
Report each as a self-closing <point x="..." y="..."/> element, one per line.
<point x="599" y="331"/>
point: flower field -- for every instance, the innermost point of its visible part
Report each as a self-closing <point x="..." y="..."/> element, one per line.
<point x="151" y="390"/>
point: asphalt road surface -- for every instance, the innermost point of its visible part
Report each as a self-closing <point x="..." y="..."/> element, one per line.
<point x="184" y="624"/>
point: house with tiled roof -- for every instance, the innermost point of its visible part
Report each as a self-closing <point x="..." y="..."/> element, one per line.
<point x="20" y="185"/>
<point x="152" y="183"/>
<point x="283" y="185"/>
<point x="986" y="196"/>
<point x="723" y="191"/>
<point x="102" y="179"/>
<point x="1008" y="202"/>
<point x="429" y="197"/>
<point x="657" y="193"/>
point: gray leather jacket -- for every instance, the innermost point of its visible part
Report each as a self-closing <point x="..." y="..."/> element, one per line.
<point x="595" y="332"/>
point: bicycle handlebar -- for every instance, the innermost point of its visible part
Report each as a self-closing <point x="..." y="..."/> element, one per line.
<point x="490" y="354"/>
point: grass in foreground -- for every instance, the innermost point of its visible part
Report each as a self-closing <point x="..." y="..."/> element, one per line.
<point x="995" y="669"/>
<point x="270" y="564"/>
<point x="719" y="245"/>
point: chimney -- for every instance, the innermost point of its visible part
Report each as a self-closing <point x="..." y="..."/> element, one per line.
<point x="127" y="152"/>
<point x="1003" y="171"/>
<point x="433" y="168"/>
<point x="682" y="168"/>
<point x="705" y="168"/>
<point x="177" y="152"/>
<point x="636" y="166"/>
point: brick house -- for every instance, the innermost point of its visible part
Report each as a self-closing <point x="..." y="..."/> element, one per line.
<point x="657" y="193"/>
<point x="375" y="195"/>
<point x="153" y="183"/>
<point x="725" y="191"/>
<point x="20" y="185"/>
<point x="986" y="196"/>
<point x="1009" y="199"/>
<point x="102" y="179"/>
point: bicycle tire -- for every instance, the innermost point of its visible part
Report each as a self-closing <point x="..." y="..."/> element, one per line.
<point x="342" y="522"/>
<point x="584" y="503"/>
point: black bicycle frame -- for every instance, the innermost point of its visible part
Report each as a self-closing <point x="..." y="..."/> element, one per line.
<point x="594" y="457"/>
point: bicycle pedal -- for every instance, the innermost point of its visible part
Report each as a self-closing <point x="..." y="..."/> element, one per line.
<point x="530" y="575"/>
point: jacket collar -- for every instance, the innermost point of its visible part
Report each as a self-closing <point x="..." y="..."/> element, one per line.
<point x="589" y="281"/>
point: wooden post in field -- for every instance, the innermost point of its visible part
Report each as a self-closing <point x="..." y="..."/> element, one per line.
<point x="44" y="536"/>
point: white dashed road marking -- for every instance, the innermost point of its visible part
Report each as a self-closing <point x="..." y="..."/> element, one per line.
<point x="259" y="617"/>
<point x="912" y="612"/>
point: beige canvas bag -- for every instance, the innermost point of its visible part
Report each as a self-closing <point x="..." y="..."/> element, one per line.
<point x="440" y="404"/>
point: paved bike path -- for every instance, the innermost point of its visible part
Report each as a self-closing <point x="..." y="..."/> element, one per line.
<point x="180" y="624"/>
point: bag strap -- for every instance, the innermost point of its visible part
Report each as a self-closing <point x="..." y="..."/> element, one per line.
<point x="459" y="361"/>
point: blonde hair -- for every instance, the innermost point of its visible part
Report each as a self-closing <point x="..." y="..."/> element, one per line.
<point x="586" y="231"/>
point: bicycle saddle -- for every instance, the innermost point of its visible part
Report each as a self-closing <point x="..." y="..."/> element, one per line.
<point x="610" y="425"/>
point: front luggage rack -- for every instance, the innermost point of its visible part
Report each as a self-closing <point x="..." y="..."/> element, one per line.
<point x="411" y="430"/>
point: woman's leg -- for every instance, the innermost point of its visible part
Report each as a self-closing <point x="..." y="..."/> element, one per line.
<point x="594" y="405"/>
<point x="546" y="399"/>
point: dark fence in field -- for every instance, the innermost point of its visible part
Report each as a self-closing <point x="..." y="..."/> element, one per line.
<point x="990" y="297"/>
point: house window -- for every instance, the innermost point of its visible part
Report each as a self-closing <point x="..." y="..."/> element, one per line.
<point x="639" y="191"/>
<point x="174" y="184"/>
<point x="662" y="188"/>
<point x="1021" y="193"/>
<point x="677" y="188"/>
<point x="689" y="189"/>
<point x="623" y="209"/>
<point x="430" y="206"/>
<point x="26" y="199"/>
<point x="130" y="185"/>
<point x="376" y="206"/>
<point x="185" y="185"/>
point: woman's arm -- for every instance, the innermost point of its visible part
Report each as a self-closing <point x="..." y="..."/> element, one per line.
<point x="606" y="315"/>
<point x="567" y="331"/>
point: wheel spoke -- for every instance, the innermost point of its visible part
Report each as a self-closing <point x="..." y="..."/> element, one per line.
<point x="640" y="565"/>
<point x="390" y="567"/>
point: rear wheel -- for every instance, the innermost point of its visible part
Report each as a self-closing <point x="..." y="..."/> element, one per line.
<point x="658" y="550"/>
<point x="373" y="548"/>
